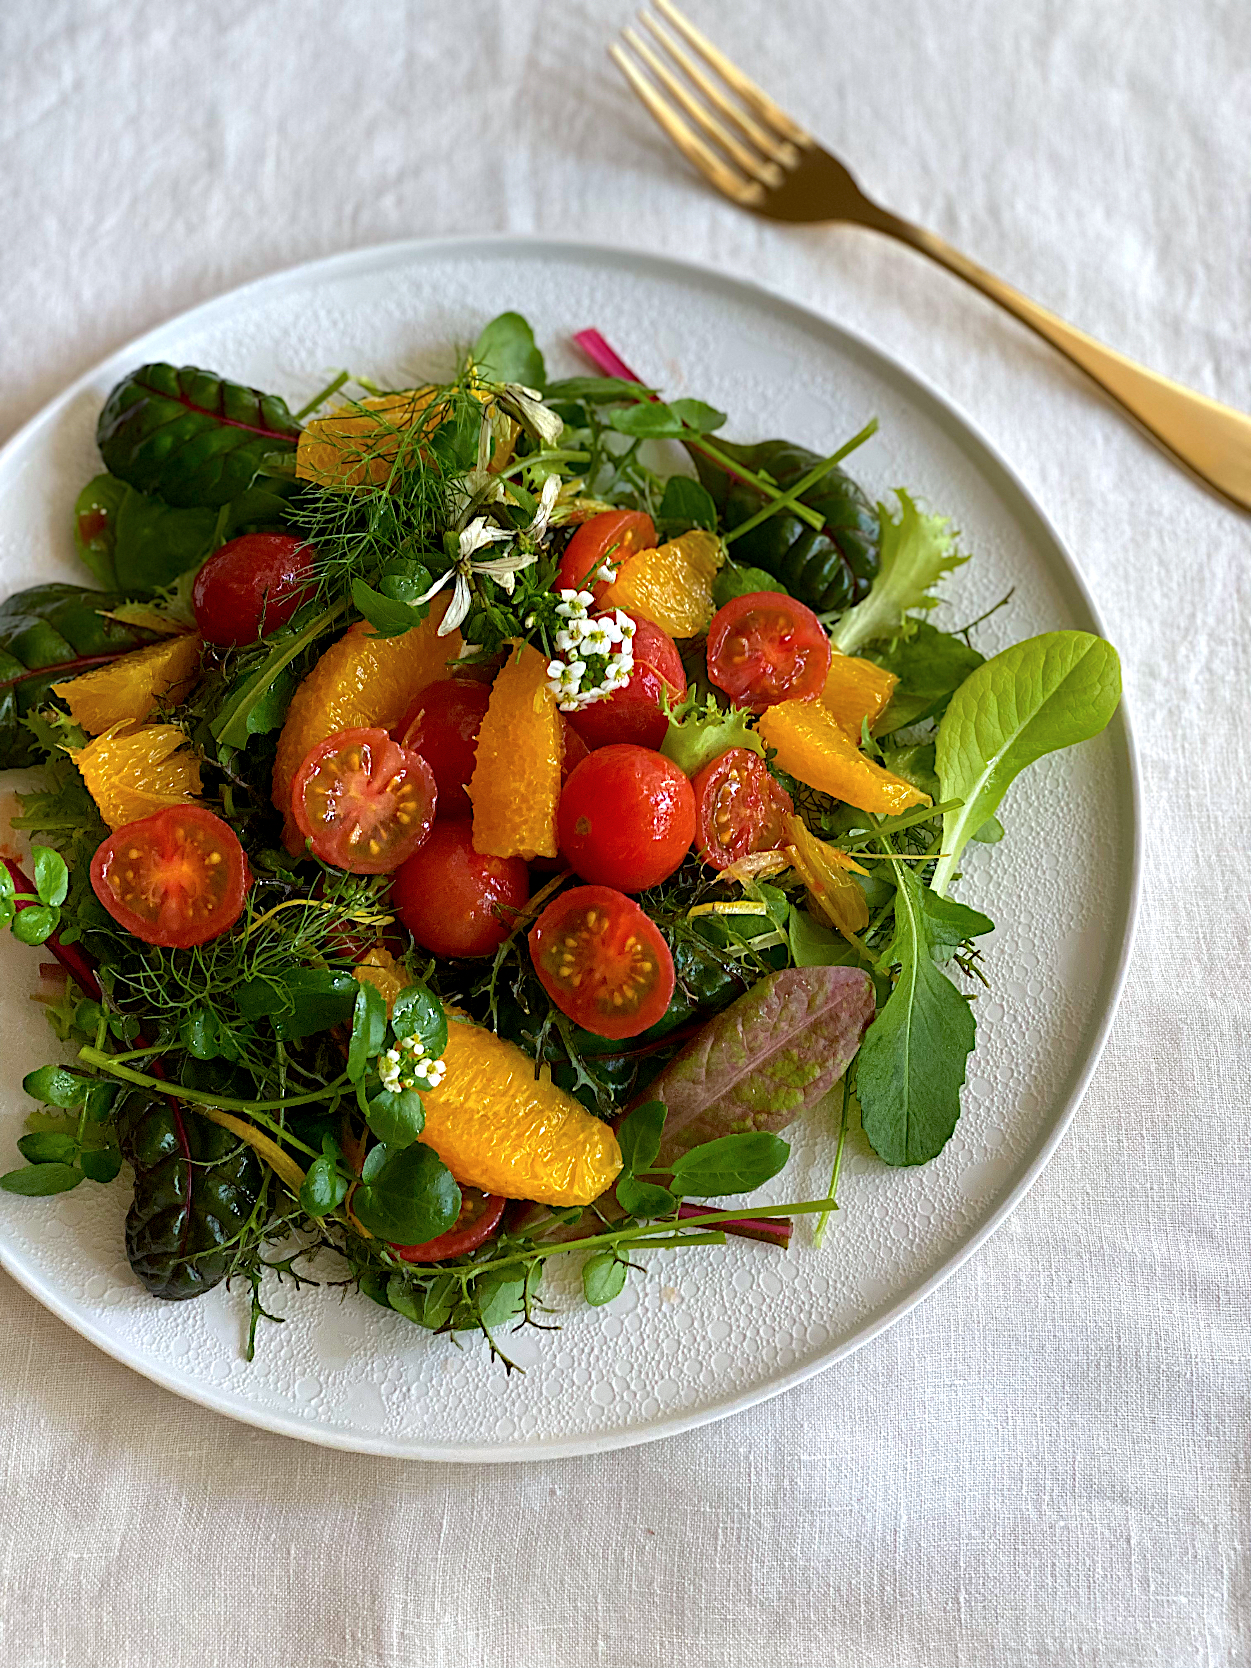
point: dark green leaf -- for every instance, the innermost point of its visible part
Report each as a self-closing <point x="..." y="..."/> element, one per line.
<point x="505" y="352"/>
<point x="695" y="414"/>
<point x="300" y="1001"/>
<point x="732" y="1164"/>
<point x="644" y="1199"/>
<point x="639" y="1136"/>
<point x="375" y="1158"/>
<point x="411" y="1199"/>
<point x="416" y="1013"/>
<point x="499" y="1297"/>
<point x="597" y="390"/>
<point x="369" y="1030"/>
<point x="95" y="515"/>
<point x="56" y="1086"/>
<point x="35" y="923"/>
<point x="407" y="582"/>
<point x="41" y="1180"/>
<point x="396" y="1118"/>
<point x="387" y="617"/>
<point x="51" y="875"/>
<point x="324" y="1189"/>
<point x="655" y="421"/>
<point x="99" y="1101"/>
<point x="603" y="1277"/>
<point x="207" y="1036"/>
<point x="250" y="708"/>
<point x="153" y="543"/>
<point x="685" y="504"/>
<point x="48" y="1147"/>
<point x="428" y="1305"/>
<point x="101" y="1164"/>
<point x="735" y="581"/>
<point x="930" y="665"/>
<point x="815" y="945"/>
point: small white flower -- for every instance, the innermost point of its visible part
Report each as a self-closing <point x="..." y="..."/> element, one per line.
<point x="596" y="638"/>
<point x="617" y="675"/>
<point x="526" y="405"/>
<point x="569" y="641"/>
<point x="625" y="625"/>
<point x="606" y="573"/>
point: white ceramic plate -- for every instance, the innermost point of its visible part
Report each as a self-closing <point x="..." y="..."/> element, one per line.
<point x="705" y="1331"/>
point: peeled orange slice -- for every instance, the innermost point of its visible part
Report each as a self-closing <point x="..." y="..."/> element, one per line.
<point x="856" y="690"/>
<point x="670" y="585"/>
<point x="827" y="872"/>
<point x="814" y="747"/>
<point x="515" y="787"/>
<point x="131" y="773"/>
<point x="360" y="441"/>
<point x="132" y="687"/>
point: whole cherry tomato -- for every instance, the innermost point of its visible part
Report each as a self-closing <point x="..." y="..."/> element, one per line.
<point x="765" y="647"/>
<point x="633" y="713"/>
<point x="479" y="1218"/>
<point x="365" y="802"/>
<point x="739" y="808"/>
<point x="442" y="725"/>
<point x="454" y="900"/>
<point x="177" y="878"/>
<point x="626" y="818"/>
<point x="602" y="961"/>
<point x="250" y="586"/>
<point x="610" y="538"/>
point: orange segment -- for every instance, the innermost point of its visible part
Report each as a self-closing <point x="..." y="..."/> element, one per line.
<point x="133" y="686"/>
<point x="360" y="441"/>
<point x="498" y="1127"/>
<point x="813" y="746"/>
<point x="856" y="690"/>
<point x="361" y="682"/>
<point x="671" y="585"/>
<point x="515" y="786"/>
<point x="132" y="773"/>
<point x="833" y="895"/>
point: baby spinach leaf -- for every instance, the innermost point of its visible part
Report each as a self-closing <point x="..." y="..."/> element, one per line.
<point x="732" y="1164"/>
<point x="685" y="504"/>
<point x="1036" y="697"/>
<point x="506" y="352"/>
<point x="369" y="1029"/>
<point x="191" y="436"/>
<point x="416" y="1013"/>
<point x="40" y="1180"/>
<point x="638" y="1136"/>
<point x="930" y="665"/>
<point x="603" y="1277"/>
<point x="396" y="1117"/>
<point x="410" y="1199"/>
<point x="300" y="1001"/>
<point x="916" y="551"/>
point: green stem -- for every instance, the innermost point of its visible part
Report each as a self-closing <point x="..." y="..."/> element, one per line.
<point x="769" y="490"/>
<point x="540" y="457"/>
<point x="320" y="399"/>
<point x="223" y="729"/>
<point x="789" y="500"/>
<point x="819" y="1234"/>
<point x="201" y="1097"/>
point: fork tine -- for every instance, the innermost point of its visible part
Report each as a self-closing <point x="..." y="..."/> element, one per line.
<point x="780" y="150"/>
<point x="768" y="173"/>
<point x="718" y="173"/>
<point x="746" y="89"/>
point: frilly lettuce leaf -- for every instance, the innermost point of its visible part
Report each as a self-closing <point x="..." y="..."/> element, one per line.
<point x="916" y="551"/>
<point x="698" y="735"/>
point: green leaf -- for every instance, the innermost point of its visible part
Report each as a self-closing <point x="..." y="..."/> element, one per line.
<point x="101" y="1164"/>
<point x="930" y="665"/>
<point x="1039" y="696"/>
<point x="95" y="516"/>
<point x="916" y="551"/>
<point x="410" y="1199"/>
<point x="388" y="617"/>
<point x="647" y="421"/>
<point x="324" y="1189"/>
<point x="35" y="924"/>
<point x="207" y="1036"/>
<point x="815" y="945"/>
<point x="416" y="1013"/>
<point x="597" y="390"/>
<point x="603" y="1277"/>
<point x="246" y="710"/>
<point x="99" y="1102"/>
<point x="499" y="1297"/>
<point x="51" y="875"/>
<point x="300" y="1001"/>
<point x="505" y="352"/>
<point x="733" y="581"/>
<point x="639" y="1136"/>
<point x="644" y="1199"/>
<point x="428" y="1305"/>
<point x="41" y="1180"/>
<point x="732" y="1164"/>
<point x="190" y="436"/>
<point x="48" y="1147"/>
<point x="369" y="1029"/>
<point x="698" y="735"/>
<point x="396" y="1117"/>
<point x="56" y="1086"/>
<point x="405" y="581"/>
<point x="990" y="833"/>
<point x="694" y="414"/>
<point x="685" y="504"/>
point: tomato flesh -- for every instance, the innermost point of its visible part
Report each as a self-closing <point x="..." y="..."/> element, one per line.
<point x="250" y="586"/>
<point x="457" y="901"/>
<point x="765" y="647"/>
<point x="633" y="714"/>
<point x="608" y="538"/>
<point x="602" y="961"/>
<point x="442" y="725"/>
<point x="479" y="1218"/>
<point x="626" y="818"/>
<point x="176" y="878"/>
<point x="364" y="802"/>
<point x="739" y="808"/>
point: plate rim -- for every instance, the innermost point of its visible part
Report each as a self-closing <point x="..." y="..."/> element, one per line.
<point x="495" y="245"/>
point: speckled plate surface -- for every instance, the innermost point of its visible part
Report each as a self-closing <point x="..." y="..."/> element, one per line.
<point x="710" y="1330"/>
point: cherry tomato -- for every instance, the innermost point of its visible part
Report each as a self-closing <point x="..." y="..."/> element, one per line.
<point x="479" y="1218"/>
<point x="250" y="586"/>
<point x="626" y="818"/>
<point x="739" y="808"/>
<point x="609" y="537"/>
<point x="765" y="647"/>
<point x="442" y="725"/>
<point x="365" y="802"/>
<point x="602" y="961"/>
<point x="177" y="878"/>
<point x="633" y="714"/>
<point x="454" y="900"/>
<point x="573" y="752"/>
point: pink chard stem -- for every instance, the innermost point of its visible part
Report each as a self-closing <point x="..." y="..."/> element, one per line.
<point x="772" y="1230"/>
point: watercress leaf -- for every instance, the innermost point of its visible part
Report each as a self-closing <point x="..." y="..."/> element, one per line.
<point x="407" y="582"/>
<point x="429" y="1305"/>
<point x="48" y="1147"/>
<point x="51" y="875"/>
<point x="930" y="665"/>
<point x="695" y="414"/>
<point x="685" y="504"/>
<point x="499" y="1297"/>
<point x="35" y="924"/>
<point x="387" y="617"/>
<point x="766" y="1059"/>
<point x="207" y="1036"/>
<point x="639" y="1136"/>
<point x="655" y="421"/>
<point x="101" y="1164"/>
<point x="99" y="1101"/>
<point x="416" y="1013"/>
<point x="41" y="1179"/>
<point x="731" y="1164"/>
<point x="1039" y="696"/>
<point x="369" y="1030"/>
<point x="735" y="581"/>
<point x="323" y="1189"/>
<point x="396" y="1117"/>
<point x="644" y="1199"/>
<point x="597" y="390"/>
<point x="506" y="352"/>
<point x="603" y="1277"/>
<point x="375" y="1158"/>
<point x="916" y="551"/>
<point x="300" y="1000"/>
<point x="412" y="1198"/>
<point x="56" y="1086"/>
<point x="7" y="885"/>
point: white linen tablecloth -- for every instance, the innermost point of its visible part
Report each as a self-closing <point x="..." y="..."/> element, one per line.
<point x="1046" y="1463"/>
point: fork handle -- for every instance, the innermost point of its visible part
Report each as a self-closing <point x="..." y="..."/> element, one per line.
<point x="1212" y="439"/>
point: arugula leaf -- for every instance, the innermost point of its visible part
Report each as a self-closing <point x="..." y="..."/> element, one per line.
<point x="506" y="352"/>
<point x="815" y="945"/>
<point x="916" y="551"/>
<point x="1039" y="696"/>
<point x="410" y="1199"/>
<point x="733" y="1164"/>
<point x="930" y="665"/>
<point x="912" y="1060"/>
<point x="248" y="710"/>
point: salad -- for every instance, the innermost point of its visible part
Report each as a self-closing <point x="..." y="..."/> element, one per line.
<point x="474" y="821"/>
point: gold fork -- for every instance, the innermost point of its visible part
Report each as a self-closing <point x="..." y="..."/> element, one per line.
<point x="761" y="159"/>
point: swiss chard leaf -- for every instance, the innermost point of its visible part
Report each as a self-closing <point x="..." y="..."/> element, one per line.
<point x="1035" y="698"/>
<point x="410" y="1199"/>
<point x="930" y="665"/>
<point x="191" y="436"/>
<point x="506" y="352"/>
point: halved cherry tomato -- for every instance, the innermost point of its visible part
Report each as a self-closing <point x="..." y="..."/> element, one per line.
<point x="626" y="818"/>
<point x="177" y="878"/>
<point x="457" y="901"/>
<point x="765" y="647"/>
<point x="602" y="961"/>
<point x="254" y="583"/>
<point x="633" y="714"/>
<point x="479" y="1218"/>
<point x="365" y="802"/>
<point x="442" y="725"/>
<point x="739" y="808"/>
<point x="609" y="537"/>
